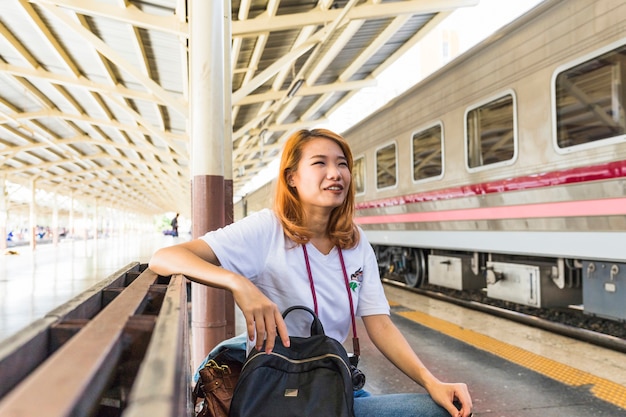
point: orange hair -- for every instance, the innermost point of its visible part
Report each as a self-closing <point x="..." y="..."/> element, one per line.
<point x="341" y="228"/>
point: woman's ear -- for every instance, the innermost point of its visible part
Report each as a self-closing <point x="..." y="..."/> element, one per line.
<point x="289" y="178"/>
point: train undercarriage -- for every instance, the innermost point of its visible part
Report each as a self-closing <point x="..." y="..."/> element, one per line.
<point x="595" y="286"/>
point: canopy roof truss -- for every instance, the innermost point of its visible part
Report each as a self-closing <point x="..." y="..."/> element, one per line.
<point x="94" y="94"/>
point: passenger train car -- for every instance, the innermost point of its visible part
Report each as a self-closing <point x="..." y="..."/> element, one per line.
<point x="506" y="170"/>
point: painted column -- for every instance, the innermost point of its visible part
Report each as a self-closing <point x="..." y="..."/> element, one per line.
<point x="55" y="221"/>
<point x="228" y="153"/>
<point x="206" y="99"/>
<point x="33" y="217"/>
<point x="86" y="223"/>
<point x="96" y="219"/>
<point x="70" y="224"/>
<point x="4" y="213"/>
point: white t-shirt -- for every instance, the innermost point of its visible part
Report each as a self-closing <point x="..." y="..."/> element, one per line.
<point x="257" y="248"/>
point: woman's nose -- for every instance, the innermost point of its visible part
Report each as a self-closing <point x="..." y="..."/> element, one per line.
<point x="333" y="172"/>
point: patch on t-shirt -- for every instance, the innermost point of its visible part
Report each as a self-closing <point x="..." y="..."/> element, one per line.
<point x="356" y="279"/>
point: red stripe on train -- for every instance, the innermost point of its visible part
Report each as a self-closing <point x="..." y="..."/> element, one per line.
<point x="605" y="207"/>
<point x="607" y="171"/>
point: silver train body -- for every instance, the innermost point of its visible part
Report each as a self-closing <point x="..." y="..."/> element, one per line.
<point x="505" y="171"/>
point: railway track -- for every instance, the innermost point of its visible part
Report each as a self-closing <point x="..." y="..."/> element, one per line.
<point x="571" y="322"/>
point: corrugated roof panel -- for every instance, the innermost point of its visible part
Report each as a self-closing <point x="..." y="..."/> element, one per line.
<point x="157" y="7"/>
<point x="165" y="59"/>
<point x="14" y="98"/>
<point x="125" y="104"/>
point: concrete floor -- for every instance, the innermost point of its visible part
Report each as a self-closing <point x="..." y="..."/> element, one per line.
<point x="33" y="282"/>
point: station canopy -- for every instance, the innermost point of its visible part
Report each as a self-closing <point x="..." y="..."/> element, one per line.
<point x="94" y="94"/>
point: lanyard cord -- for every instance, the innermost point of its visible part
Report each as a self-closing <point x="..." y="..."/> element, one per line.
<point x="308" y="270"/>
<point x="355" y="340"/>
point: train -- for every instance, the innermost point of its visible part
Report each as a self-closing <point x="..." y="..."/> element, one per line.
<point x="505" y="170"/>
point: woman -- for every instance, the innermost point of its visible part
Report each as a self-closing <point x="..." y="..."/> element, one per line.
<point x="292" y="255"/>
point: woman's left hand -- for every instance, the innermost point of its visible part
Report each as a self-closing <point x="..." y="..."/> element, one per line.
<point x="448" y="395"/>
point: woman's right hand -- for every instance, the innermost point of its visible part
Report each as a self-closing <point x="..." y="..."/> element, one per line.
<point x="263" y="318"/>
<point x="196" y="260"/>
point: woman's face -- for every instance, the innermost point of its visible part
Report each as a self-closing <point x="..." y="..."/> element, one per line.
<point x="322" y="177"/>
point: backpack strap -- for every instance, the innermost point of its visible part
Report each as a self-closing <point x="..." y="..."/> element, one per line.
<point x="355" y="339"/>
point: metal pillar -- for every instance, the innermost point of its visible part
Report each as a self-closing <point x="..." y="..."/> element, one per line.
<point x="86" y="223"/>
<point x="94" y="226"/>
<point x="207" y="109"/>
<point x="33" y="216"/>
<point x="55" y="220"/>
<point x="4" y="214"/>
<point x="228" y="153"/>
<point x="71" y="230"/>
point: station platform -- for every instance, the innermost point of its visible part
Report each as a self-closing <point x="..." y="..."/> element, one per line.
<point x="512" y="370"/>
<point x="34" y="282"/>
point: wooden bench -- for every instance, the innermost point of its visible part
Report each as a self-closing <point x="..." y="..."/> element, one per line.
<point x="119" y="349"/>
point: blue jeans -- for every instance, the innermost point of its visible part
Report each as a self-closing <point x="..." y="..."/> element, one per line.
<point x="396" y="405"/>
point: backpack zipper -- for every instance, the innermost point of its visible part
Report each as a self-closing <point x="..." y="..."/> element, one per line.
<point x="327" y="355"/>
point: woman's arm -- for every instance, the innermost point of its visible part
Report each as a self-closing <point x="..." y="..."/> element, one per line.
<point x="388" y="339"/>
<point x="197" y="261"/>
<point x="189" y="258"/>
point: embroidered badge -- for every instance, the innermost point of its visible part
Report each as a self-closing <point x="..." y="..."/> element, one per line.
<point x="356" y="279"/>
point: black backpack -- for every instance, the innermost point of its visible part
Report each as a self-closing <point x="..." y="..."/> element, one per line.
<point x="310" y="378"/>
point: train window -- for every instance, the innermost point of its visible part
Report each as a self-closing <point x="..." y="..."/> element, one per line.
<point x="427" y="149"/>
<point x="591" y="99"/>
<point x="358" y="175"/>
<point x="490" y="133"/>
<point x="386" y="174"/>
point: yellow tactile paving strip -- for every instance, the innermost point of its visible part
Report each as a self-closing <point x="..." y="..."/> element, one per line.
<point x="601" y="388"/>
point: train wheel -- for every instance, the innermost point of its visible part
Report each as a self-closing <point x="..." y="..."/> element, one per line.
<point x="416" y="274"/>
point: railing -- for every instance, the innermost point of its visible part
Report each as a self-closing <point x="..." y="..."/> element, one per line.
<point x="120" y="348"/>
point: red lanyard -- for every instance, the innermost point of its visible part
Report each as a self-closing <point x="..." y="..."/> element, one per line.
<point x="355" y="339"/>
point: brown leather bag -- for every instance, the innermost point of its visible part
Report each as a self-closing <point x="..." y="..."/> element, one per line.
<point x="216" y="385"/>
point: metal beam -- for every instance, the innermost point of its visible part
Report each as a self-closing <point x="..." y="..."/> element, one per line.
<point x="130" y="14"/>
<point x="264" y="23"/>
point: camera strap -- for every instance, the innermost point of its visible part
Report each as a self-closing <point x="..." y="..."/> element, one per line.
<point x="355" y="340"/>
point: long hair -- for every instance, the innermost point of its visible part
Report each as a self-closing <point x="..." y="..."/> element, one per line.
<point x="341" y="228"/>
